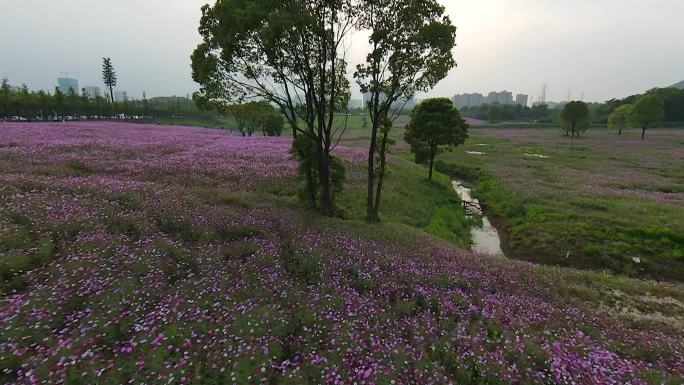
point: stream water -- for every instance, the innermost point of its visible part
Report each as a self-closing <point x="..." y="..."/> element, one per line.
<point x="485" y="238"/>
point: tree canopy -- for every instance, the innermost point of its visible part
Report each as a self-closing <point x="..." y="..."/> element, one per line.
<point x="620" y="118"/>
<point x="435" y="125"/>
<point x="647" y="110"/>
<point x="411" y="50"/>
<point x="575" y="116"/>
<point x="289" y="53"/>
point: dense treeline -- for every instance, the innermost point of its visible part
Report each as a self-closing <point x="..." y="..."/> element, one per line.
<point x="673" y="99"/>
<point x="24" y="104"/>
<point x="673" y="102"/>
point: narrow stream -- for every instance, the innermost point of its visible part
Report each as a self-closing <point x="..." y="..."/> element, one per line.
<point x="486" y="239"/>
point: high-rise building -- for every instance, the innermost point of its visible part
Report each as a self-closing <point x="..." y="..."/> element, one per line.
<point x="468" y="100"/>
<point x="92" y="91"/>
<point x="120" y="96"/>
<point x="503" y="97"/>
<point x="367" y="97"/>
<point x="66" y="84"/>
<point x="522" y="99"/>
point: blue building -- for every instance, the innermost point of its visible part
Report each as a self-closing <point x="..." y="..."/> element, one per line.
<point x="65" y="84"/>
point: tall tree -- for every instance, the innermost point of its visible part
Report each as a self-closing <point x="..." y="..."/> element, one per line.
<point x="575" y="116"/>
<point x="289" y="53"/>
<point x="435" y="124"/>
<point x="647" y="110"/>
<point x="5" y="95"/>
<point x="109" y="76"/>
<point x="411" y="50"/>
<point x="620" y="118"/>
<point x="494" y="112"/>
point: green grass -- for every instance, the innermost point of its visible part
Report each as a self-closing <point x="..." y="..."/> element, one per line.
<point x="597" y="203"/>
<point x="409" y="198"/>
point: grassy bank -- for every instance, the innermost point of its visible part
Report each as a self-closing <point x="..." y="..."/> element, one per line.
<point x="409" y="198"/>
<point x="604" y="202"/>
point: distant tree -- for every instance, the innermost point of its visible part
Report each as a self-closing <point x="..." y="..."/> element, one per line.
<point x="73" y="102"/>
<point x="109" y="76"/>
<point x="575" y="116"/>
<point x="5" y="97"/>
<point x="85" y="103"/>
<point x="250" y="116"/>
<point x="494" y="112"/>
<point x="620" y="118"/>
<point x="274" y="124"/>
<point x="647" y="110"/>
<point x="673" y="103"/>
<point x="145" y="105"/>
<point x="45" y="102"/>
<point x="539" y="112"/>
<point x="411" y="44"/>
<point x="435" y="125"/>
<point x="59" y="102"/>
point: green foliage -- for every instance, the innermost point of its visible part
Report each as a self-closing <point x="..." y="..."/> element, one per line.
<point x="412" y="44"/>
<point x="129" y="200"/>
<point x="274" y="125"/>
<point x="620" y="118"/>
<point x="253" y="116"/>
<point x="177" y="263"/>
<point x="575" y="117"/>
<point x="309" y="169"/>
<point x="257" y="50"/>
<point x="494" y="112"/>
<point x="435" y="124"/>
<point x="109" y="76"/>
<point x="647" y="110"/>
<point x="239" y="250"/>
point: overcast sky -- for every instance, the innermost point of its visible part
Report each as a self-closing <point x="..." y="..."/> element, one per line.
<point x="599" y="48"/>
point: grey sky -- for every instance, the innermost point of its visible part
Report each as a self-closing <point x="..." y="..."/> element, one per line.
<point x="599" y="48"/>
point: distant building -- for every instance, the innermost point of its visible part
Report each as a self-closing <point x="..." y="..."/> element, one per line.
<point x="66" y="84"/>
<point x="92" y="91"/>
<point x="407" y="104"/>
<point x="355" y="103"/>
<point x="120" y="96"/>
<point x="503" y="97"/>
<point x="468" y="100"/>
<point x="522" y="99"/>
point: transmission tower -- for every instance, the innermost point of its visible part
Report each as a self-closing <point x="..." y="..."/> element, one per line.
<point x="542" y="97"/>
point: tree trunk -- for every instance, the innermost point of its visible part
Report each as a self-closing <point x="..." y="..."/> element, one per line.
<point x="620" y="131"/>
<point x="643" y="132"/>
<point x="324" y="172"/>
<point x="381" y="177"/>
<point x="573" y="132"/>
<point x="111" y="94"/>
<point x="432" y="161"/>
<point x="370" y="210"/>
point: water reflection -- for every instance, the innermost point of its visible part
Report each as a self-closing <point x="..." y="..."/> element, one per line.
<point x="485" y="238"/>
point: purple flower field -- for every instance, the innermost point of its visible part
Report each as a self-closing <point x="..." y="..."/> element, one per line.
<point x="152" y="254"/>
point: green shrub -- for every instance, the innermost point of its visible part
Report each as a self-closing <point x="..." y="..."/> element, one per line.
<point x="124" y="226"/>
<point x="359" y="283"/>
<point x="238" y="232"/>
<point x="129" y="200"/>
<point x="304" y="267"/>
<point x="13" y="241"/>
<point x="239" y="250"/>
<point x="77" y="166"/>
